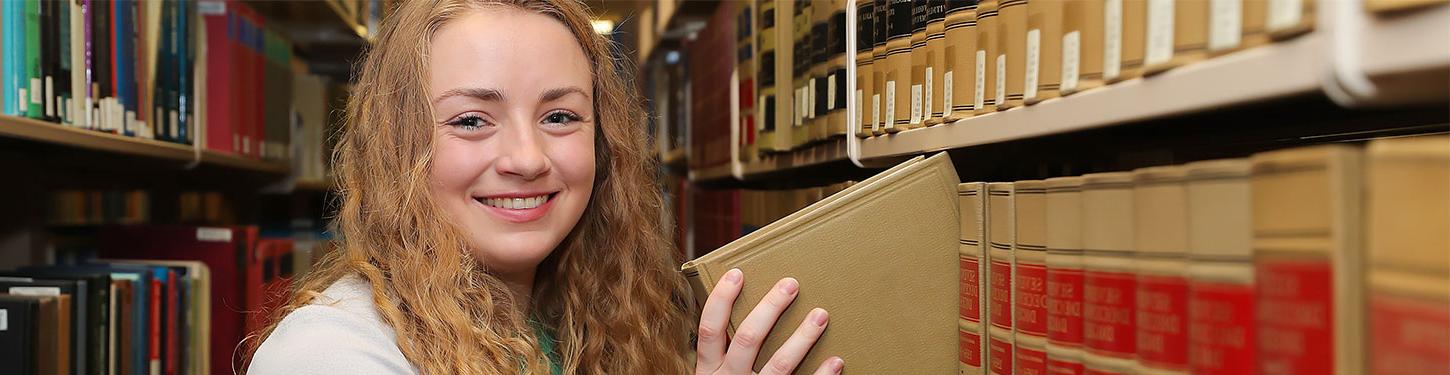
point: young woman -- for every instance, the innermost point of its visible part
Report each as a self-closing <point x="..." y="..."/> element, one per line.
<point x="498" y="214"/>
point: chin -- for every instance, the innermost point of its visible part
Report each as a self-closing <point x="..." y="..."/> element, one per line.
<point x="515" y="252"/>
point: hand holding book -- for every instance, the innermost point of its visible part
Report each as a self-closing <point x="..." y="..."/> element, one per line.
<point x="711" y="354"/>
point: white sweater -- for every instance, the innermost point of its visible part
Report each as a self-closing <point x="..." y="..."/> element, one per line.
<point x="339" y="333"/>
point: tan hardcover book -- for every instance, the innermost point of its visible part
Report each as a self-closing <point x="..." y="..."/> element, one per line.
<point x="1225" y="26"/>
<point x="936" y="40"/>
<point x="986" y="59"/>
<point x="774" y="113"/>
<point x="835" y="97"/>
<point x="920" y="60"/>
<point x="1308" y="258"/>
<point x="1064" y="275"/>
<point x="1001" y="233"/>
<point x="1160" y="232"/>
<point x="892" y="295"/>
<point x="897" y="101"/>
<point x="1220" y="269"/>
<point x="1029" y="284"/>
<point x="958" y="91"/>
<point x="800" y="31"/>
<point x="1288" y="18"/>
<point x="1011" y="56"/>
<point x="1391" y="6"/>
<point x="880" y="68"/>
<point x="1409" y="255"/>
<point x="972" y="203"/>
<point x="1124" y="39"/>
<point x="865" y="89"/>
<point x="817" y="39"/>
<point x="1082" y="46"/>
<point x="1255" y="16"/>
<point x="1177" y="34"/>
<point x="1044" y="51"/>
<point x="1109" y="285"/>
<point x="53" y="335"/>
<point x="748" y="71"/>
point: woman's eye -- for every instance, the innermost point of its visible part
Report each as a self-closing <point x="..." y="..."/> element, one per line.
<point x="560" y="117"/>
<point x="468" y="122"/>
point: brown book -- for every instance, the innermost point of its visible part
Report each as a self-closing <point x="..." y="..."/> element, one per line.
<point x="1160" y="232"/>
<point x="1221" y="268"/>
<point x="1011" y="56"/>
<point x="1109" y="286"/>
<point x="1124" y="38"/>
<point x="800" y="31"/>
<point x="897" y="101"/>
<point x="881" y="67"/>
<point x="920" y="61"/>
<point x="892" y="295"/>
<point x="1409" y="255"/>
<point x="865" y="89"/>
<point x="1064" y="275"/>
<point x="986" y="59"/>
<point x="1044" y="50"/>
<point x="958" y="91"/>
<point x="1082" y="46"/>
<point x="936" y="40"/>
<point x="1001" y="234"/>
<point x="836" y="96"/>
<point x="773" y="129"/>
<point x="1177" y="34"/>
<point x="1029" y="284"/>
<point x="1308" y="259"/>
<point x="972" y="200"/>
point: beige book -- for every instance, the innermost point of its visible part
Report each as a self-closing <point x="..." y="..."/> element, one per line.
<point x="1082" y="46"/>
<point x="972" y="203"/>
<point x="986" y="59"/>
<point x="865" y="37"/>
<point x="1124" y="38"/>
<point x="898" y="61"/>
<point x="908" y="275"/>
<point x="1177" y="34"/>
<point x="1029" y="283"/>
<point x="936" y="39"/>
<point x="1308" y="238"/>
<point x="920" y="61"/>
<point x="816" y="42"/>
<point x="1160" y="232"/>
<point x="1221" y="268"/>
<point x="775" y="105"/>
<point x="1109" y="286"/>
<point x="1043" y="70"/>
<point x="1285" y="19"/>
<point x="1000" y="237"/>
<point x="1011" y="58"/>
<point x="961" y="46"/>
<point x="1255" y="15"/>
<point x="1408" y="184"/>
<point x="748" y="72"/>
<point x="1063" y="230"/>
<point x="836" y="97"/>
<point x="880" y="66"/>
<point x="804" y="109"/>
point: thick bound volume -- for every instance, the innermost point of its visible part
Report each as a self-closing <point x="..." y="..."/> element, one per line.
<point x="972" y="202"/>
<point x="1409" y="255"/>
<point x="1160" y="236"/>
<point x="1177" y="34"/>
<point x="747" y="67"/>
<point x="1220" y="269"/>
<point x="1011" y="58"/>
<point x="880" y="67"/>
<point x="1044" y="50"/>
<point x="1109" y="285"/>
<point x="1029" y="287"/>
<point x="1064" y="275"/>
<point x="936" y="39"/>
<point x="1289" y="18"/>
<point x="800" y="63"/>
<point x="986" y="82"/>
<point x="958" y="91"/>
<point x="775" y="111"/>
<point x="920" y="58"/>
<point x="1001" y="233"/>
<point x="1124" y="38"/>
<point x="897" y="100"/>
<point x="18" y="341"/>
<point x="833" y="93"/>
<point x="908" y="275"/>
<point x="1082" y="46"/>
<point x="1308" y="260"/>
<point x="865" y="38"/>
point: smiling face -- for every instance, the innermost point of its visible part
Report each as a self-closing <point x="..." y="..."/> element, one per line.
<point x="513" y="145"/>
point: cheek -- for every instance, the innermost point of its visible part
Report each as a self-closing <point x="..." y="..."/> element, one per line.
<point x="574" y="159"/>
<point x="455" y="167"/>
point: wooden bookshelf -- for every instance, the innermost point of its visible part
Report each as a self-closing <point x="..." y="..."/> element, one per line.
<point x="717" y="173"/>
<point x="58" y="135"/>
<point x="811" y="156"/>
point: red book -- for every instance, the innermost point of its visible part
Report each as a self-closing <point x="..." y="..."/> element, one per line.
<point x="276" y="280"/>
<point x="1064" y="275"/>
<point x="1001" y="235"/>
<point x="153" y="344"/>
<point x="219" y="124"/>
<point x="1109" y="285"/>
<point x="256" y="63"/>
<point x="1030" y="270"/>
<point x="1221" y="306"/>
<point x="1160" y="212"/>
<point x="173" y="303"/>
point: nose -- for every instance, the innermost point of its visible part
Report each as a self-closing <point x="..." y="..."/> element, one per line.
<point x="523" y="155"/>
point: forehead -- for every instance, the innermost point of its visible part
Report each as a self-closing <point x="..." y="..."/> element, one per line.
<point x="512" y="50"/>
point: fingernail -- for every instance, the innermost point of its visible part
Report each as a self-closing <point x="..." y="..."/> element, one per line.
<point x="819" y="317"/>
<point x="789" y="285"/>
<point x="837" y="363"/>
<point x="733" y="275"/>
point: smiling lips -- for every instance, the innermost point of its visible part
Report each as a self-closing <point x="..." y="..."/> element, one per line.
<point x="518" y="208"/>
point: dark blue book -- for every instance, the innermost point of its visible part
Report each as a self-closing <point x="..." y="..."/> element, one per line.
<point x="85" y="328"/>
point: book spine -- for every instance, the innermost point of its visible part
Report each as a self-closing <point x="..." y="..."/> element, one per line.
<point x="879" y="66"/>
<point x="936" y="39"/>
<point x="1288" y="18"/>
<point x="972" y="203"/>
<point x="1001" y="232"/>
<point x="1161" y="243"/>
<point x="8" y="88"/>
<point x="919" y="61"/>
<point x="1030" y="277"/>
<point x="1082" y="45"/>
<point x="836" y="97"/>
<point x="1011" y="53"/>
<point x="985" y="86"/>
<point x="1043" y="60"/>
<point x="1307" y="260"/>
<point x="34" y="91"/>
<point x="1221" y="328"/>
<point x="1064" y="276"/>
<point x="897" y="99"/>
<point x="1109" y="294"/>
<point x="800" y="62"/>
<point x="746" y="65"/>
<point x="865" y="38"/>
<point x="960" y="50"/>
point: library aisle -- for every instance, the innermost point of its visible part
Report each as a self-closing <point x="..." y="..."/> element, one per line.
<point x="1025" y="186"/>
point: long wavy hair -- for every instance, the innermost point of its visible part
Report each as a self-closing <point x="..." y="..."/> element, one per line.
<point x="610" y="291"/>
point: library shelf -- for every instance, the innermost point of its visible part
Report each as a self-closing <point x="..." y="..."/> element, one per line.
<point x="716" y="173"/>
<point x="833" y="149"/>
<point x="44" y="132"/>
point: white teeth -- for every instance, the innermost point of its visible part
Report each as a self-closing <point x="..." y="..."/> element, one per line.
<point x="516" y="203"/>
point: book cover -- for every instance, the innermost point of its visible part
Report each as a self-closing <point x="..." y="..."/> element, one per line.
<point x="816" y="42"/>
<point x="919" y="62"/>
<point x="1124" y="39"/>
<point x="909" y="274"/>
<point x="18" y="341"/>
<point x="1001" y="235"/>
<point x="865" y="82"/>
<point x="896" y="100"/>
<point x="1160" y="217"/>
<point x="836" y="97"/>
<point x="972" y="203"/>
<point x="985" y="86"/>
<point x="1063" y="230"/>
<point x="1029" y="285"/>
<point x="220" y="95"/>
<point x="1011" y="58"/>
<point x="9" y="95"/>
<point x="1178" y="34"/>
<point x="1109" y="286"/>
<point x="936" y="39"/>
<point x="768" y="113"/>
<point x="87" y="313"/>
<point x="1221" y="309"/>
<point x="1043" y="62"/>
<point x="958" y="87"/>
<point x="35" y="91"/>
<point x="1408" y="185"/>
<point x="1082" y="46"/>
<point x="879" y="66"/>
<point x="799" y="30"/>
<point x="1308" y="259"/>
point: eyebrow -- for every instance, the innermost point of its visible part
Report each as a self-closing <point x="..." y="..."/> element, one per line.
<point x="556" y="93"/>
<point x="474" y="92"/>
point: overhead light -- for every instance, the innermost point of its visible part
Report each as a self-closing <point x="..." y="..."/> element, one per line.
<point x="603" y="27"/>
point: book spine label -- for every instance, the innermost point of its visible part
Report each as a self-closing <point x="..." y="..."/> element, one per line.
<point x="971" y="296"/>
<point x="1408" y="335"/>
<point x="1000" y="352"/>
<point x="1064" y="319"/>
<point x="1031" y="309"/>
<point x="1162" y="321"/>
<point x="1030" y="361"/>
<point x="969" y="344"/>
<point x="1061" y="367"/>
<point x="1295" y="315"/>
<point x="1000" y="310"/>
<point x="1221" y="329"/>
<point x="1108" y="304"/>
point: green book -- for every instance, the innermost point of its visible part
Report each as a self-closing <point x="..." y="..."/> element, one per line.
<point x="35" y="108"/>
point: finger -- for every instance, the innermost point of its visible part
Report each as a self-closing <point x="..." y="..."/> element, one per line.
<point x="794" y="349"/>
<point x="710" y="345"/>
<point x="831" y="366"/>
<point x="745" y="344"/>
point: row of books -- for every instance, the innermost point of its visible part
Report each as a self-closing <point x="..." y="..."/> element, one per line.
<point x="791" y="58"/>
<point x="94" y="207"/>
<point x="1317" y="260"/>
<point x="153" y="300"/>
<point x="156" y="69"/>
<point x="722" y="215"/>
